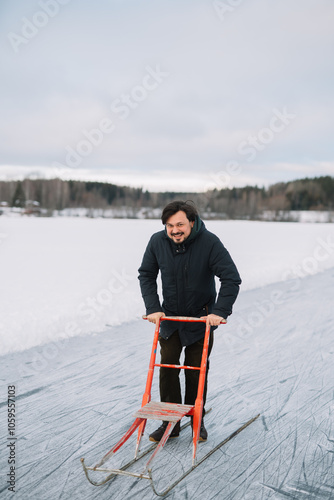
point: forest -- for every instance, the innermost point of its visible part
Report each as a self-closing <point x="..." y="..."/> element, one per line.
<point x="49" y="195"/>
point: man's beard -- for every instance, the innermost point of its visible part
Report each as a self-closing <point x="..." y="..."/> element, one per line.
<point x="177" y="236"/>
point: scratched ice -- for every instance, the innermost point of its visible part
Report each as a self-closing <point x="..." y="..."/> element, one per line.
<point x="77" y="397"/>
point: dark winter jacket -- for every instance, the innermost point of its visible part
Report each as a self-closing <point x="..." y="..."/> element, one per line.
<point x="188" y="273"/>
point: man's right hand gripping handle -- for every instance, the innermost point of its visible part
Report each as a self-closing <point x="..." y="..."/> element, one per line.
<point x="154" y="317"/>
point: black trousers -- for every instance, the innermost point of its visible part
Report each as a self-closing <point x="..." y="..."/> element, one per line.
<point x="169" y="380"/>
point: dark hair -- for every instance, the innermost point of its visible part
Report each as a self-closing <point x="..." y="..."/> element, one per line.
<point x="188" y="207"/>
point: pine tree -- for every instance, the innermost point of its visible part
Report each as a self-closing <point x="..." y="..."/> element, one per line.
<point x="19" y="198"/>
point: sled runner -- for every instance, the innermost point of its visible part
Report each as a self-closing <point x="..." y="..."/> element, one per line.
<point x="170" y="412"/>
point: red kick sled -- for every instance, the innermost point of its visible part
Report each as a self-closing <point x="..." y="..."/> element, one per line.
<point x="162" y="411"/>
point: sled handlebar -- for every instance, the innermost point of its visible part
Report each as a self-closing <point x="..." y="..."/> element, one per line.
<point x="185" y="319"/>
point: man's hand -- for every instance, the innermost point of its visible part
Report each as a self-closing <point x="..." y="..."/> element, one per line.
<point x="154" y="317"/>
<point x="213" y="319"/>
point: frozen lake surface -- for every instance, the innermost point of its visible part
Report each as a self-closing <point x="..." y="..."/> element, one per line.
<point x="76" y="395"/>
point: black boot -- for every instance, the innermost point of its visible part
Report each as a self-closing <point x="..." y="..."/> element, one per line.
<point x="203" y="433"/>
<point x="158" y="433"/>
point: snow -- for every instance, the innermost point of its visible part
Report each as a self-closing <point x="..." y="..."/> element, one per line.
<point x="299" y="215"/>
<point x="78" y="381"/>
<point x="72" y="276"/>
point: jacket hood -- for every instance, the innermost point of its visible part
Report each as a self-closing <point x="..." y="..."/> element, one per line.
<point x="196" y="228"/>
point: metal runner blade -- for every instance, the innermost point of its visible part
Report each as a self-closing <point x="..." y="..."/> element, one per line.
<point x="133" y="461"/>
<point x="167" y="490"/>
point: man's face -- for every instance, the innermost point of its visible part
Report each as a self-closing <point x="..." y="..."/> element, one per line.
<point x="179" y="227"/>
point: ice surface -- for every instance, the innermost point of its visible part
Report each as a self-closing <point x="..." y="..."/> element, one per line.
<point x="76" y="395"/>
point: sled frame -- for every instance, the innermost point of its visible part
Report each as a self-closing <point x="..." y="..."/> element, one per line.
<point x="170" y="412"/>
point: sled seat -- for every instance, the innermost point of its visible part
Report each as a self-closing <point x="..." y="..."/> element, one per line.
<point x="171" y="412"/>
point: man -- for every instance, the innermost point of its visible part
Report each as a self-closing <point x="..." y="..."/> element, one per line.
<point x="188" y="257"/>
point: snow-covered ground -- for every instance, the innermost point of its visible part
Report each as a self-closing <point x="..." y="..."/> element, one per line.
<point x="77" y="351"/>
<point x="63" y="277"/>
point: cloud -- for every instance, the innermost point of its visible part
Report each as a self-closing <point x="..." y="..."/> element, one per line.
<point x="225" y="79"/>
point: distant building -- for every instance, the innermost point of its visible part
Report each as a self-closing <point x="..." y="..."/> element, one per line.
<point x="32" y="208"/>
<point x="3" y="207"/>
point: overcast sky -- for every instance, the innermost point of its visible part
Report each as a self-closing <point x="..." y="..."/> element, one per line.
<point x="177" y="94"/>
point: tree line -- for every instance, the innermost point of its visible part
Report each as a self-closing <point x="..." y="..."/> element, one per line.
<point x="250" y="201"/>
